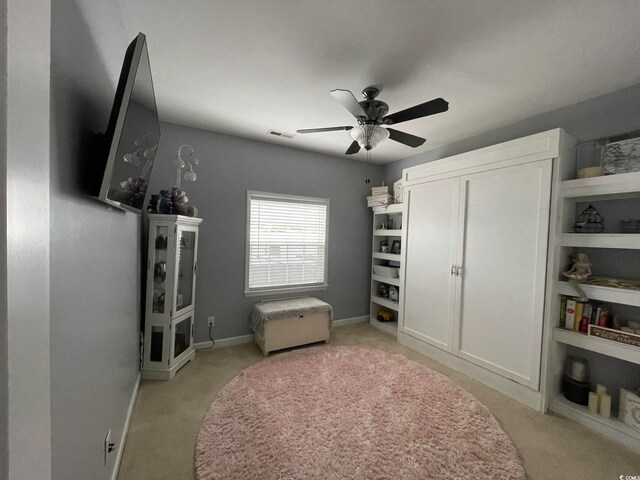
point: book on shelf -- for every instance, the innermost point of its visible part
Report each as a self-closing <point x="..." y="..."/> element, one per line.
<point x="585" y="320"/>
<point x="570" y="313"/>
<point x="563" y="310"/>
<point x="577" y="315"/>
<point x="604" y="318"/>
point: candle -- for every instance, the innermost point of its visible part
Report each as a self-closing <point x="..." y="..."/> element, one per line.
<point x="605" y="405"/>
<point x="579" y="370"/>
<point x="593" y="402"/>
<point x="601" y="389"/>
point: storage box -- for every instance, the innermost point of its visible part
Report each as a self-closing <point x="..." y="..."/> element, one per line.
<point x="379" y="200"/>
<point x="622" y="156"/>
<point x="629" y="409"/>
<point x="386" y="271"/>
<point x="383" y="190"/>
<point x="615" y="335"/>
<point x="630" y="226"/>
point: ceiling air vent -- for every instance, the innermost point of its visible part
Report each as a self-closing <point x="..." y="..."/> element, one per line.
<point x="276" y="133"/>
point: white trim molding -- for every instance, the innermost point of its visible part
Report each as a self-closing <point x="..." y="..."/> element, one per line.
<point x="125" y="430"/>
<point x="28" y="249"/>
<point x="224" y="342"/>
<point x="350" y="321"/>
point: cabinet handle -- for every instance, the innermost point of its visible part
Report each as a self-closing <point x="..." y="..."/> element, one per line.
<point x="458" y="271"/>
<point x="453" y="269"/>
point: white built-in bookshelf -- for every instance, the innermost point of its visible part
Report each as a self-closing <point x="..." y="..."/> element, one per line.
<point x="388" y="216"/>
<point x="606" y="250"/>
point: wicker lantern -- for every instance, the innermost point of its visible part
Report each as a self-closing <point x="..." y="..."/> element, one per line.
<point x="589" y="221"/>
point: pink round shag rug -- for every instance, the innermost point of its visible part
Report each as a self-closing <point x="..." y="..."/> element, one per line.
<point x="350" y="413"/>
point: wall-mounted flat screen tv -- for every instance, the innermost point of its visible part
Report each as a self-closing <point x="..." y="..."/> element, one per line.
<point x="133" y="133"/>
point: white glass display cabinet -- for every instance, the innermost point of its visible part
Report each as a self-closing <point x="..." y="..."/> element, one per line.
<point x="171" y="287"/>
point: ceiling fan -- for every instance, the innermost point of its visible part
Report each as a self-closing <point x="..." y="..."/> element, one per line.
<point x="372" y="114"/>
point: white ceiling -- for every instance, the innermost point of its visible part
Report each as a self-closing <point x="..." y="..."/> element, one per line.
<point x="246" y="66"/>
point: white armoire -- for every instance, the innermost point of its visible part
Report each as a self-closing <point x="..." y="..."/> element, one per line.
<point x="475" y="256"/>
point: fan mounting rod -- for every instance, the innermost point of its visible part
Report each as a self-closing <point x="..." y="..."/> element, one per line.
<point x="370" y="93"/>
<point x="375" y="109"/>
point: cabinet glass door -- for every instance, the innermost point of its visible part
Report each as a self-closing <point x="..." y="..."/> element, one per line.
<point x="182" y="338"/>
<point x="158" y="299"/>
<point x="185" y="284"/>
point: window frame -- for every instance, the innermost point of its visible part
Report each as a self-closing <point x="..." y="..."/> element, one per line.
<point x="271" y="290"/>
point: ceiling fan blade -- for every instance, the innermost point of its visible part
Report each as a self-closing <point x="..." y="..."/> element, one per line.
<point x="353" y="148"/>
<point x="437" y="105"/>
<point x="348" y="101"/>
<point x="327" y="129"/>
<point x="406" y="138"/>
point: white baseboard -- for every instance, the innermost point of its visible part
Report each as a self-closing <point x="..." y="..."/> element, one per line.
<point x="242" y="339"/>
<point x="350" y="321"/>
<point x="125" y="430"/>
<point x="224" y="342"/>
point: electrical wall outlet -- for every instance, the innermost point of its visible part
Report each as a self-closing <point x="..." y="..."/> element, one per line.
<point x="109" y="446"/>
<point x="212" y="321"/>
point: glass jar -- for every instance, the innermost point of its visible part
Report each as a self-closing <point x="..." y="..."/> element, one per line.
<point x="589" y="158"/>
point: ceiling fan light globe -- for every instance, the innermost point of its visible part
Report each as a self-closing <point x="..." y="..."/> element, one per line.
<point x="369" y="136"/>
<point x="190" y="176"/>
<point x="178" y="162"/>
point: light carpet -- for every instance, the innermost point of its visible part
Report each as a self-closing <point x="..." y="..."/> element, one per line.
<point x="350" y="413"/>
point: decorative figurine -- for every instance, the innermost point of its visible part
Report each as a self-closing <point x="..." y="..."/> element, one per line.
<point x="382" y="291"/>
<point x="179" y="199"/>
<point x="581" y="268"/>
<point x="166" y="204"/>
<point x="393" y="293"/>
<point x="154" y="204"/>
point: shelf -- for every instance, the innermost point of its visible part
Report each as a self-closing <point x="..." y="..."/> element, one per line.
<point x="604" y="294"/>
<point x="377" y="303"/>
<point x="601" y="240"/>
<point x="385" y="209"/>
<point x="610" y="427"/>
<point x="624" y="185"/>
<point x="610" y="348"/>
<point x="387" y="256"/>
<point x="385" y="302"/>
<point x="388" y="280"/>
<point x="387" y="233"/>
<point x="389" y="327"/>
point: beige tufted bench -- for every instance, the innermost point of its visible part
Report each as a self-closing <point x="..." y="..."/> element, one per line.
<point x="290" y="322"/>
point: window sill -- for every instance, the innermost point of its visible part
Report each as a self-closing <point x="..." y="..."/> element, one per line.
<point x="276" y="291"/>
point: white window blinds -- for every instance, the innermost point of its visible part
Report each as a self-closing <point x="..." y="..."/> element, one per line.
<point x="287" y="244"/>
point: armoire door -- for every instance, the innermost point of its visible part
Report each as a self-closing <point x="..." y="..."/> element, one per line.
<point x="505" y="216"/>
<point x="431" y="244"/>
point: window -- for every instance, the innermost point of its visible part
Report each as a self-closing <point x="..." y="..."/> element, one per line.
<point x="286" y="243"/>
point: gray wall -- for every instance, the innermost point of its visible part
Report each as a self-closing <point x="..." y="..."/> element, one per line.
<point x="4" y="412"/>
<point x="610" y="114"/>
<point x="95" y="316"/>
<point x="229" y="167"/>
